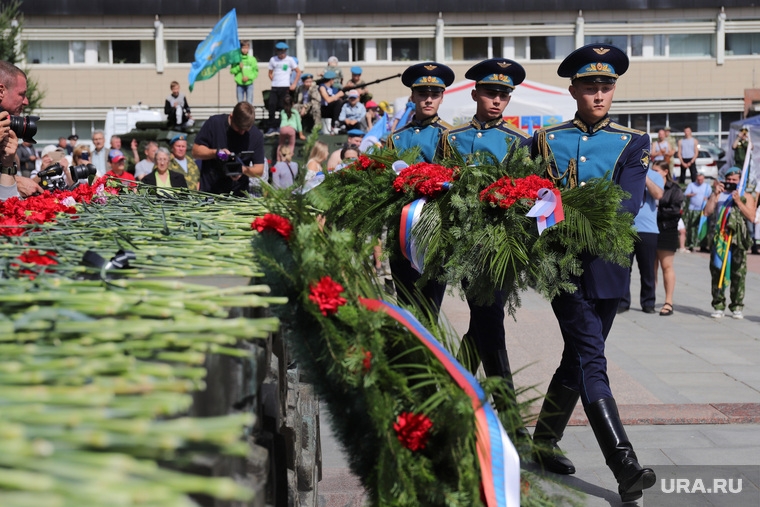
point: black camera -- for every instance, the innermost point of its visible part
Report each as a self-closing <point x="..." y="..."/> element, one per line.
<point x="53" y="178"/>
<point x="729" y="187"/>
<point x="233" y="164"/>
<point x="82" y="171"/>
<point x="25" y="127"/>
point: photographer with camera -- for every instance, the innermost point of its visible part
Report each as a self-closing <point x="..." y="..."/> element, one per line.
<point x="740" y="206"/>
<point x="231" y="150"/>
<point x="12" y="127"/>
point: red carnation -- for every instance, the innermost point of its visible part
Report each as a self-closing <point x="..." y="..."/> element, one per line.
<point x="506" y="191"/>
<point x="367" y="361"/>
<point x="326" y="294"/>
<point x="413" y="430"/>
<point x="33" y="256"/>
<point x="426" y="179"/>
<point x="273" y="222"/>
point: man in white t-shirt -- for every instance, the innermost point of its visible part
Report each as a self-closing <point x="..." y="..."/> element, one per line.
<point x="280" y="68"/>
<point x="697" y="192"/>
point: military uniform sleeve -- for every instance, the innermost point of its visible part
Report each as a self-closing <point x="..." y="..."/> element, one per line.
<point x="632" y="172"/>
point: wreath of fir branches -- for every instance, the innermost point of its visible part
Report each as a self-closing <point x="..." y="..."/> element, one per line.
<point x="467" y="238"/>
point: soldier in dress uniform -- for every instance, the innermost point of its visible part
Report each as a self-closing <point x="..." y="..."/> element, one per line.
<point x="425" y="130"/>
<point x="487" y="132"/>
<point x="592" y="146"/>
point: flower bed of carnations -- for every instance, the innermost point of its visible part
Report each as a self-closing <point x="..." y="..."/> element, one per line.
<point x="98" y="365"/>
<point x="474" y="227"/>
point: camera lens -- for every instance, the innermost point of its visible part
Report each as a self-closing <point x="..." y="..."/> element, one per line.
<point x="25" y="127"/>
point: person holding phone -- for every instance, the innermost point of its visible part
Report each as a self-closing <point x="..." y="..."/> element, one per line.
<point x="740" y="207"/>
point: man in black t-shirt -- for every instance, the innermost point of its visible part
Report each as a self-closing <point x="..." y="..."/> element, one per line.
<point x="222" y="135"/>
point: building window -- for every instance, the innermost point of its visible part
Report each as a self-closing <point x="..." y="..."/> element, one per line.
<point x="637" y="45"/>
<point x="382" y="49"/>
<point x="550" y="47"/>
<point x="181" y="51"/>
<point x="263" y="50"/>
<point x="133" y="51"/>
<point x="404" y="50"/>
<point x="521" y="48"/>
<point x="357" y="50"/>
<point x="319" y="50"/>
<point x="620" y="41"/>
<point x="466" y="48"/>
<point x="700" y="44"/>
<point x="742" y="43"/>
<point x="659" y="45"/>
<point x="51" y="52"/>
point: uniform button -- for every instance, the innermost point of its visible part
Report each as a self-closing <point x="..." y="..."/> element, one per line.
<point x="585" y="138"/>
<point x="551" y="136"/>
<point x="480" y="134"/>
<point x="453" y="138"/>
<point x="397" y="137"/>
<point x="623" y="137"/>
<point x="416" y="131"/>
<point x="583" y="159"/>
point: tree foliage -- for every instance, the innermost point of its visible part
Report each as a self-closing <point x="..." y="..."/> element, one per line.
<point x="12" y="48"/>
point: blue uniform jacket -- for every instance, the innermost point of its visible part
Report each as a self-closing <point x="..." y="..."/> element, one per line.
<point x="496" y="137"/>
<point x="595" y="150"/>
<point x="426" y="134"/>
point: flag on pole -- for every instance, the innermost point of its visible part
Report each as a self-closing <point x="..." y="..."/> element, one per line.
<point x="220" y="49"/>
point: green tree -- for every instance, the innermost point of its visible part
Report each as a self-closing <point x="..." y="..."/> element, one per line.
<point x="11" y="25"/>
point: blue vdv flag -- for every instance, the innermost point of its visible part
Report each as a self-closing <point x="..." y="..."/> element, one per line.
<point x="220" y="49"/>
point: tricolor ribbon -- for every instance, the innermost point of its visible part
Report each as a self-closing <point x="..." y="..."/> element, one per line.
<point x="499" y="461"/>
<point x="410" y="215"/>
<point x="547" y="209"/>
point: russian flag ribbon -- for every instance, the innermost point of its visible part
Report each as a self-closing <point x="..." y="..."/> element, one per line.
<point x="547" y="209"/>
<point x="499" y="461"/>
<point x="410" y="215"/>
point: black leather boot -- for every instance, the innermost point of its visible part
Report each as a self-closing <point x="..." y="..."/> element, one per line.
<point x="496" y="364"/>
<point x="555" y="414"/>
<point x="468" y="354"/>
<point x="617" y="449"/>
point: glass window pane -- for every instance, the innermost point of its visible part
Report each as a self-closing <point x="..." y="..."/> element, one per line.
<point x="404" y="50"/>
<point x="659" y="43"/>
<point x="639" y="122"/>
<point x="657" y="121"/>
<point x="103" y="52"/>
<point x="427" y="49"/>
<point x="181" y="51"/>
<point x="50" y="131"/>
<point x="742" y="43"/>
<point x="550" y="47"/>
<point x="126" y="51"/>
<point x="521" y="44"/>
<point x="319" y="50"/>
<point x="48" y="51"/>
<point x="621" y="119"/>
<point x="679" y="121"/>
<point x="700" y="44"/>
<point x="358" y="50"/>
<point x="498" y="47"/>
<point x="148" y="51"/>
<point x="637" y="45"/>
<point x="263" y="50"/>
<point x="382" y="49"/>
<point x="77" y="51"/>
<point x="620" y="41"/>
<point x="452" y="46"/>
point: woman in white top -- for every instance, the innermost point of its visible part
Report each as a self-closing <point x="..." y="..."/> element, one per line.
<point x="317" y="157"/>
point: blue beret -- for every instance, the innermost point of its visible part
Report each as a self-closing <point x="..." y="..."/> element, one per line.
<point x="497" y="73"/>
<point x="306" y="76"/>
<point x="179" y="137"/>
<point x="356" y="70"/>
<point x="733" y="170"/>
<point x="329" y="75"/>
<point x="281" y="45"/>
<point x="596" y="62"/>
<point x="355" y="132"/>
<point x="428" y="75"/>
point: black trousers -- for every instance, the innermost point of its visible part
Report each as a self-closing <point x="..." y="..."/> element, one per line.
<point x="645" y="252"/>
<point x="276" y="103"/>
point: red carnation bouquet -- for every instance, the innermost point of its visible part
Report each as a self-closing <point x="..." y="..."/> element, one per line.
<point x="506" y="191"/>
<point x="424" y="178"/>
<point x="33" y="256"/>
<point x="272" y="222"/>
<point x="364" y="163"/>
